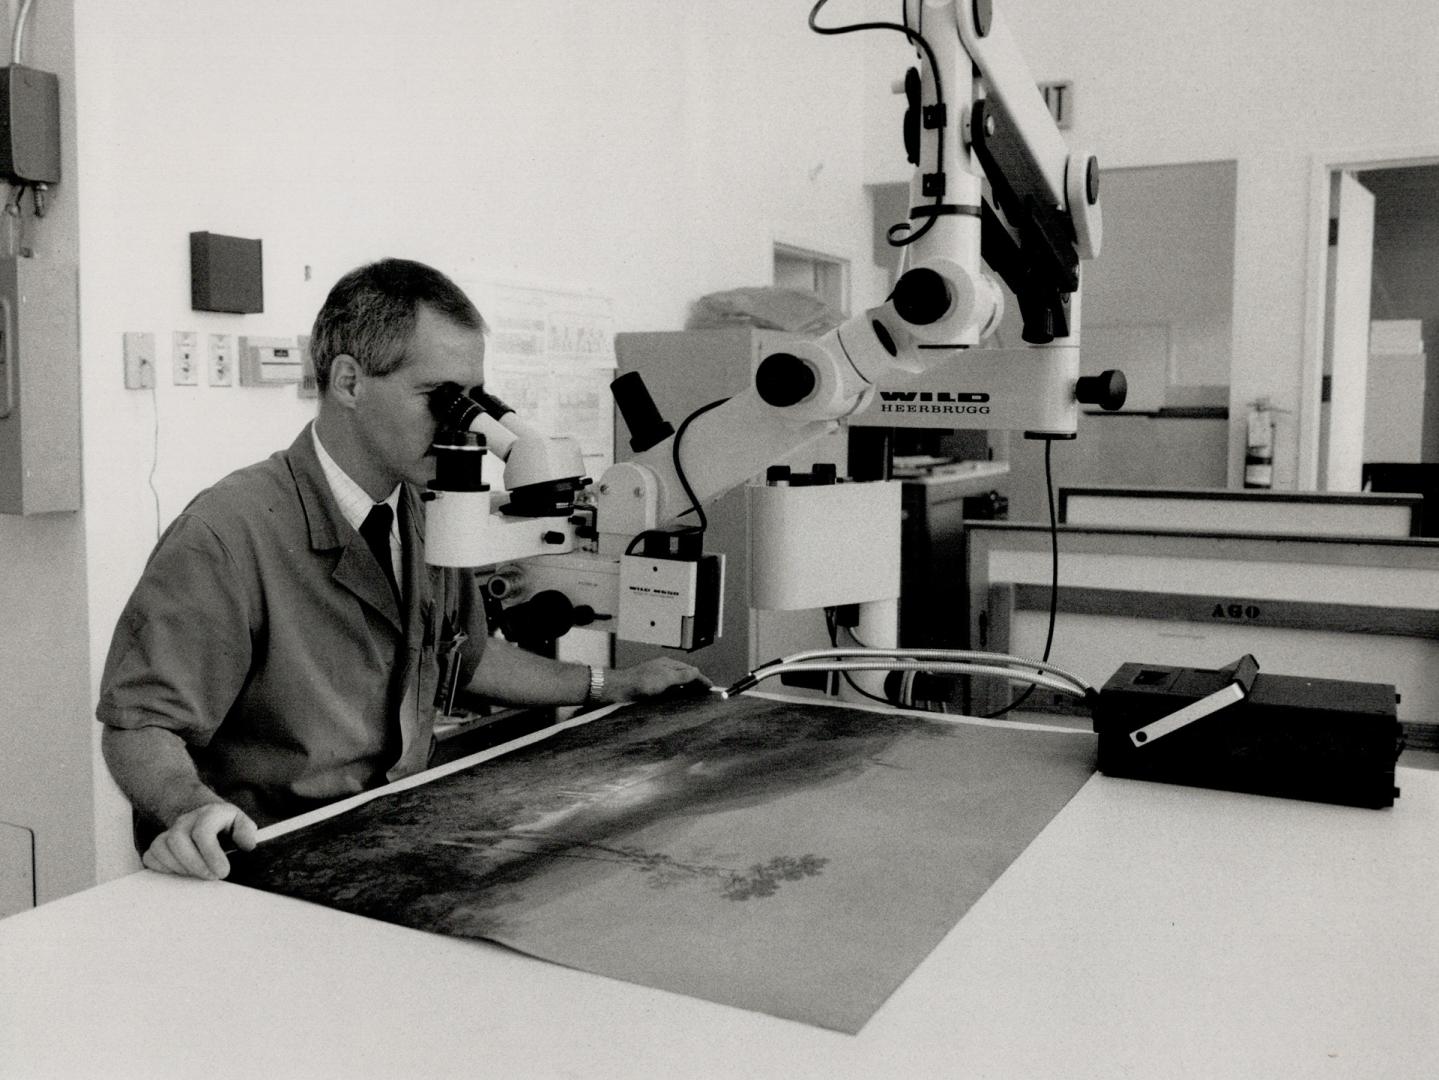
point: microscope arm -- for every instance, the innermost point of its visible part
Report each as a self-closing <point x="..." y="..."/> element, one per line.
<point x="943" y="303"/>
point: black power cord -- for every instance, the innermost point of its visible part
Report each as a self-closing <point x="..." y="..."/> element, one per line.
<point x="903" y="233"/>
<point x="694" y="507"/>
<point x="1053" y="580"/>
<point x="831" y="622"/>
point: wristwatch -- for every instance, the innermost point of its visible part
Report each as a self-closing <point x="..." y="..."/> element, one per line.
<point x="597" y="684"/>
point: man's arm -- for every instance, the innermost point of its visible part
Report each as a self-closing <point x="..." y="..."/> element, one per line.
<point x="512" y="675"/>
<point x="179" y="656"/>
<point x="154" y="770"/>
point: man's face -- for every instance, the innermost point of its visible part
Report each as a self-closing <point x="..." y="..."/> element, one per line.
<point x="395" y="424"/>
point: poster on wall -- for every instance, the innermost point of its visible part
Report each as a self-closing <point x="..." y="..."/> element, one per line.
<point x="551" y="355"/>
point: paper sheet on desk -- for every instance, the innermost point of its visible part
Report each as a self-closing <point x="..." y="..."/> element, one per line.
<point x="792" y="858"/>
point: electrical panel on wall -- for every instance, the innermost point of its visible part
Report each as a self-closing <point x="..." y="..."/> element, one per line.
<point x="29" y="125"/>
<point x="39" y="387"/>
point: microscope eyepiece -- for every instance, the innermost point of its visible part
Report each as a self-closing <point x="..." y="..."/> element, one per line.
<point x="453" y="408"/>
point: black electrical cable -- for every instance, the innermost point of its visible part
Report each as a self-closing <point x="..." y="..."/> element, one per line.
<point x="831" y="622"/>
<point x="1053" y="581"/>
<point x="679" y="469"/>
<point x="901" y="234"/>
<point x="17" y="42"/>
<point x="694" y="506"/>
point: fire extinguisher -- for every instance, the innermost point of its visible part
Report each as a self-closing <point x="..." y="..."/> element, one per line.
<point x="1259" y="446"/>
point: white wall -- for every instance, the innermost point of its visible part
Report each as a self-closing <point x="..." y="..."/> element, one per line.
<point x="1169" y="261"/>
<point x="1268" y="85"/>
<point x="650" y="150"/>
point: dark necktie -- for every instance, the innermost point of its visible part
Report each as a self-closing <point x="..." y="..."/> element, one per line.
<point x="376" y="531"/>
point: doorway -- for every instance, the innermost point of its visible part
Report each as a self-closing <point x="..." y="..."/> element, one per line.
<point x="1404" y="310"/>
<point x="1370" y="393"/>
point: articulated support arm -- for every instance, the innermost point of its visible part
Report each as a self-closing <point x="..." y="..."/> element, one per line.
<point x="975" y="117"/>
<point x="994" y="184"/>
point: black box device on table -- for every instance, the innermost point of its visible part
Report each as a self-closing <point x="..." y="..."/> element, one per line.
<point x="1324" y="740"/>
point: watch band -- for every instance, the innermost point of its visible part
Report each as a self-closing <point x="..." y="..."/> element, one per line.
<point x="597" y="684"/>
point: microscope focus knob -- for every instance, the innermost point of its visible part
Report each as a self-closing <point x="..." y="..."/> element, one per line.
<point x="1108" y="390"/>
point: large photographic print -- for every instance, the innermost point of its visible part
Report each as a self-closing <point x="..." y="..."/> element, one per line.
<point x="791" y="858"/>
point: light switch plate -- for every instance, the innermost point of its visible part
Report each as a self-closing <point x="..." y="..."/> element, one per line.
<point x="185" y="356"/>
<point x="222" y="360"/>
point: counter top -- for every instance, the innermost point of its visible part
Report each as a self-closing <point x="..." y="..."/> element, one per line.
<point x="1149" y="931"/>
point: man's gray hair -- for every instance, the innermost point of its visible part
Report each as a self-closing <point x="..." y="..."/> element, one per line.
<point x="370" y="315"/>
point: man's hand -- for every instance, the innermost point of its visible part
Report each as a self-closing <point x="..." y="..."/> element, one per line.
<point x="650" y="678"/>
<point x="191" y="845"/>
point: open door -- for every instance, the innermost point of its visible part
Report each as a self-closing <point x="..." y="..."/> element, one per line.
<point x="1346" y="333"/>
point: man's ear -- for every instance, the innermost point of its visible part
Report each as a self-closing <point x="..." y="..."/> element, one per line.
<point x="344" y="378"/>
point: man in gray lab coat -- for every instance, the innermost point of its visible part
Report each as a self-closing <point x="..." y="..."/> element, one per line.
<point x="274" y="655"/>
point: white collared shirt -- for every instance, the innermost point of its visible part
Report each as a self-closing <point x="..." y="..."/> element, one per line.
<point x="355" y="505"/>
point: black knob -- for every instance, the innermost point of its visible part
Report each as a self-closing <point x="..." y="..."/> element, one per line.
<point x="544" y="617"/>
<point x="921" y="297"/>
<point x="783" y="379"/>
<point x="1108" y="390"/>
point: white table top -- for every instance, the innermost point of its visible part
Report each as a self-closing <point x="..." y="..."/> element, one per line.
<point x="1150" y="931"/>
